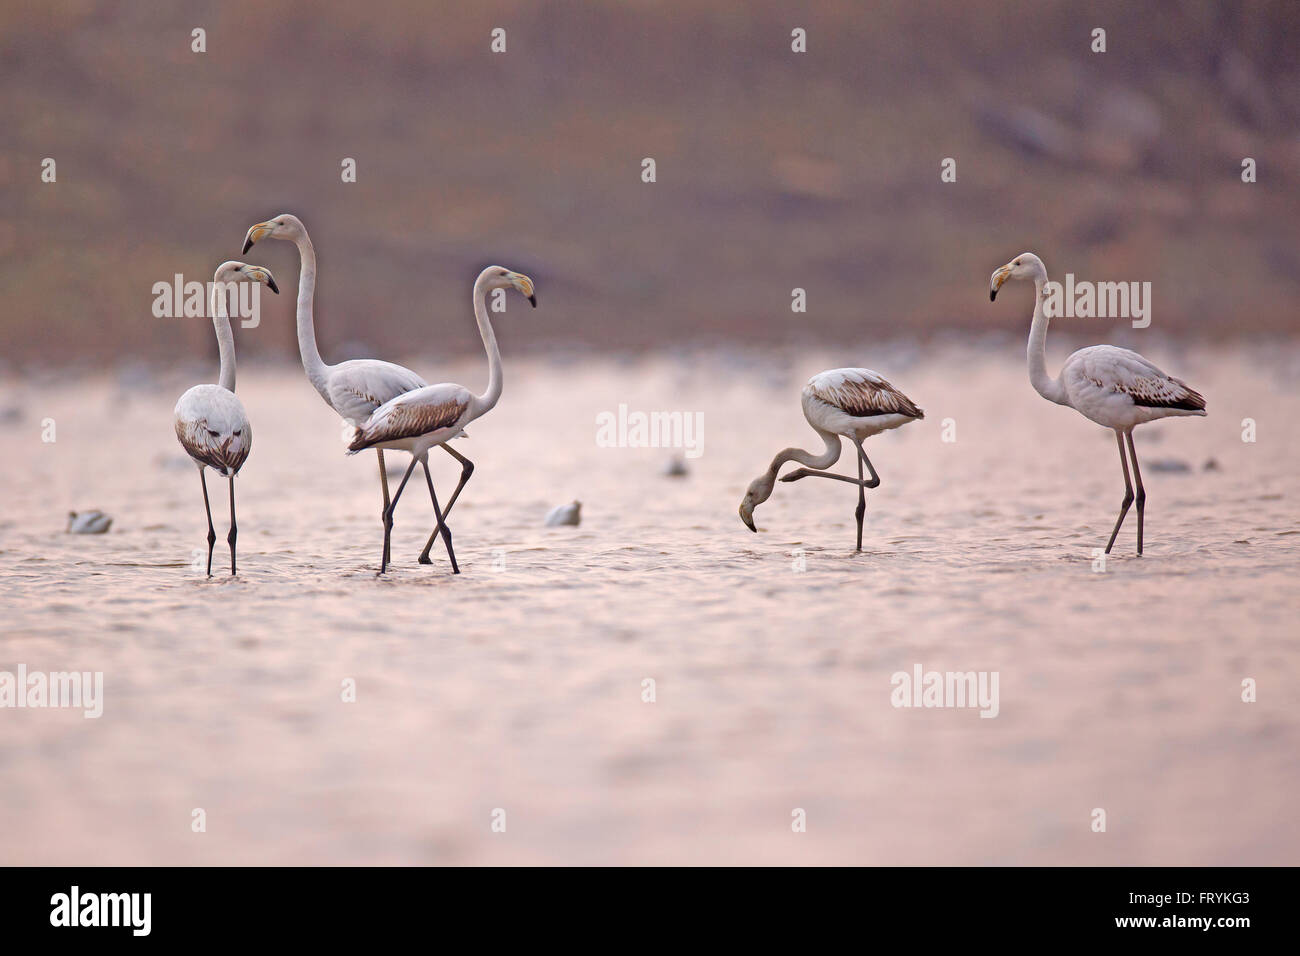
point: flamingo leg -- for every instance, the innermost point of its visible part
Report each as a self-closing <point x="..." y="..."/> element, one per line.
<point x="234" y="529"/>
<point x="812" y="473"/>
<point x="862" y="503"/>
<point x="1128" y="494"/>
<point x="1141" y="492"/>
<point x="388" y="516"/>
<point x="442" y="525"/>
<point x="466" y="469"/>
<point x="383" y="481"/>
<point x="875" y="478"/>
<point x="212" y="535"/>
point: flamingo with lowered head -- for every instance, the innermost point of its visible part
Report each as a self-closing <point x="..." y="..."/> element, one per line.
<point x="354" y="388"/>
<point x="420" y="419"/>
<point x="855" y="403"/>
<point x="1111" y="386"/>
<point x="210" y="421"/>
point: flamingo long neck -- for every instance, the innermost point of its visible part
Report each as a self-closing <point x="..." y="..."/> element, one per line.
<point x="225" y="338"/>
<point x="821" y="462"/>
<point x="317" y="371"/>
<point x="1046" y="386"/>
<point x="489" y="398"/>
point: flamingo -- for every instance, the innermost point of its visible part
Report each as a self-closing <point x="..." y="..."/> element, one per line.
<point x="1113" y="387"/>
<point x="210" y="421"/>
<point x="854" y="403"/>
<point x="353" y="388"/>
<point x="420" y="419"/>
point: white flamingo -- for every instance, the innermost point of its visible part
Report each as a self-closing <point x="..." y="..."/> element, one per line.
<point x="354" y="388"/>
<point x="210" y="421"/>
<point x="1111" y="386"/>
<point x="855" y="403"/>
<point x="418" y="420"/>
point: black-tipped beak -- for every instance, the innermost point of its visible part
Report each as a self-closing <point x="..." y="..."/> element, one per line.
<point x="749" y="523"/>
<point x="248" y="244"/>
<point x="993" y="293"/>
<point x="271" y="282"/>
<point x="533" y="300"/>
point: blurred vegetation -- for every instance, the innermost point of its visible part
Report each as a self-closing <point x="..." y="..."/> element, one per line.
<point x="775" y="169"/>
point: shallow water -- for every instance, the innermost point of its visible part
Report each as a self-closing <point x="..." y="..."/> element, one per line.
<point x="518" y="684"/>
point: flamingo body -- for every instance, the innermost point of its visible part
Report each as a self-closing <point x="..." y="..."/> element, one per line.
<point x="856" y="403"/>
<point x="417" y="420"/>
<point x="212" y="426"/>
<point x="1118" y="388"/>
<point x="357" y="387"/>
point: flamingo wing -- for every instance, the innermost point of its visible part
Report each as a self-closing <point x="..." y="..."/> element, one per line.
<point x="861" y="393"/>
<point x="425" y="410"/>
<point x="360" y="386"/>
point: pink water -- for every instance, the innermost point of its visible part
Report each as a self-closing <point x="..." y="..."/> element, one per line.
<point x="518" y="685"/>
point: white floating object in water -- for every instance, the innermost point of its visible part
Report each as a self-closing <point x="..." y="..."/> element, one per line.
<point x="88" y="522"/>
<point x="675" y="467"/>
<point x="564" y="514"/>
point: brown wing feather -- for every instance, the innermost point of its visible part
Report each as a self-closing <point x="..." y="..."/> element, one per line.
<point x="1163" y="393"/>
<point x="863" y="399"/>
<point x="227" y="455"/>
<point x="406" y="421"/>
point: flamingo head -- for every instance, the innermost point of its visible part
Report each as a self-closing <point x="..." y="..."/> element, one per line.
<point x="760" y="489"/>
<point x="233" y="271"/>
<point x="1024" y="266"/>
<point x="283" y="226"/>
<point x="499" y="277"/>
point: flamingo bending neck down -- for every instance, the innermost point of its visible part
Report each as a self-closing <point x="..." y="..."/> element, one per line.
<point x="855" y="403"/>
<point x="354" y="388"/>
<point x="418" y="420"/>
<point x="210" y="421"/>
<point x="1111" y="386"/>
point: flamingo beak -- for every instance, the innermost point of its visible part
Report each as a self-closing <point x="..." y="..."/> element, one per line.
<point x="257" y="232"/>
<point x="525" y="287"/>
<point x="270" y="280"/>
<point x="997" y="279"/>
<point x="748" y="518"/>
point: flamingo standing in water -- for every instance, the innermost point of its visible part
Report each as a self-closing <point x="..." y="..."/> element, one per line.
<point x="854" y="403"/>
<point x="354" y="388"/>
<point x="418" y="420"/>
<point x="210" y="421"/>
<point x="1111" y="386"/>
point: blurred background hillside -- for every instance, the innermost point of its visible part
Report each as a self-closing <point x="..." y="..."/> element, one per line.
<point x="775" y="169"/>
